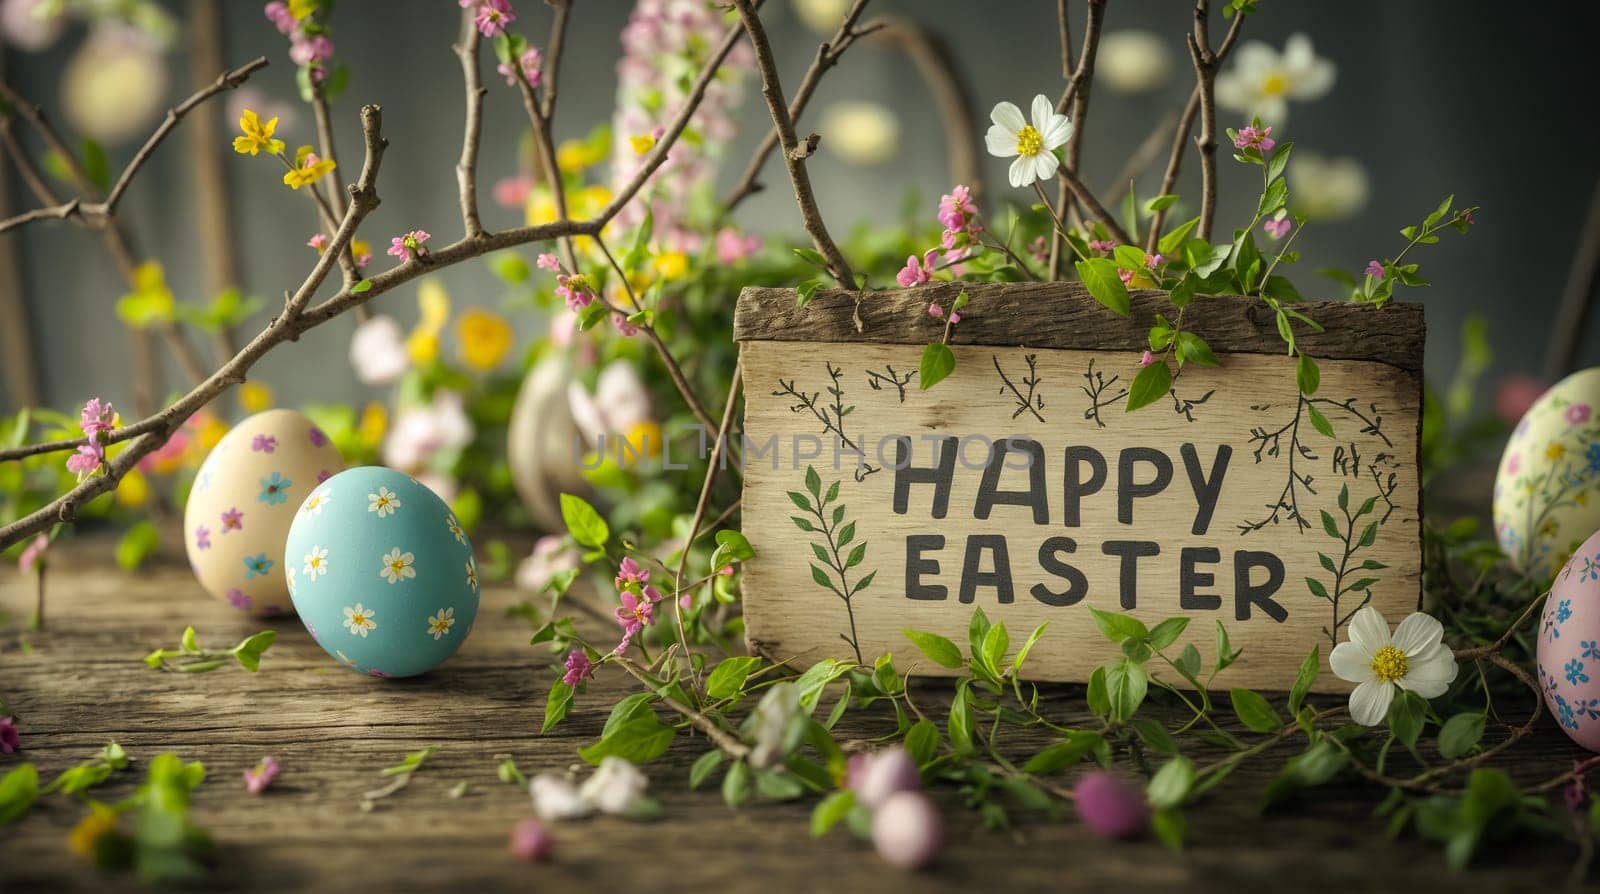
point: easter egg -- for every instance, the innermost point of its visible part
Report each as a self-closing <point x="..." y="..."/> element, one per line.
<point x="381" y="573"/>
<point x="1568" y="647"/>
<point x="1547" y="490"/>
<point x="242" y="502"/>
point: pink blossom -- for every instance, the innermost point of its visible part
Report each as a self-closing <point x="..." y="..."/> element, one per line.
<point x="408" y="246"/>
<point x="1109" y="806"/>
<point x="937" y="312"/>
<point x="907" y="831"/>
<point x="882" y="774"/>
<point x="1277" y="227"/>
<point x="232" y="520"/>
<point x="512" y="192"/>
<point x="531" y="62"/>
<point x="1146" y="358"/>
<point x="1154" y="261"/>
<point x="1102" y="245"/>
<point x="257" y="780"/>
<point x="319" y="242"/>
<point x="1039" y="248"/>
<point x="239" y="599"/>
<point x="1126" y="276"/>
<point x="575" y="290"/>
<point x="1249" y="137"/>
<point x="378" y="351"/>
<point x="33" y="553"/>
<point x="636" y="613"/>
<point x="311" y="50"/>
<point x="917" y="272"/>
<point x="86" y="460"/>
<point x="530" y="842"/>
<point x="278" y="14"/>
<point x="1514" y="464"/>
<point x="1515" y="395"/>
<point x="493" y="17"/>
<point x="631" y="572"/>
<point x="10" y="742"/>
<point x="1467" y="218"/>
<point x="202" y="537"/>
<point x="1374" y="270"/>
<point x="579" y="668"/>
<point x="732" y="247"/>
<point x="624" y="328"/>
<point x="263" y="444"/>
<point x="96" y="416"/>
<point x="548" y="261"/>
<point x="1577" y="414"/>
<point x="551" y="555"/>
<point x="957" y="208"/>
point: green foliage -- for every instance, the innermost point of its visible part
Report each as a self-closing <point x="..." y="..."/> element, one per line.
<point x="190" y="658"/>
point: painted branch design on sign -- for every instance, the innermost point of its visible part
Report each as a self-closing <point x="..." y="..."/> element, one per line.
<point x="1032" y="401"/>
<point x="1344" y="570"/>
<point x="830" y="415"/>
<point x="837" y="534"/>
<point x="1284" y="441"/>
<point x="1371" y="420"/>
<point x="877" y="380"/>
<point x="1098" y="389"/>
<point x="1185" y="407"/>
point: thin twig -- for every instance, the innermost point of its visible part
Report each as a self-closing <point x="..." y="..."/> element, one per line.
<point x="718" y="736"/>
<point x="467" y="168"/>
<point x="772" y="91"/>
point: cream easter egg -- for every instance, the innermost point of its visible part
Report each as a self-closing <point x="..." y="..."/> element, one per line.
<point x="1569" y="646"/>
<point x="1547" y="491"/>
<point x="382" y="574"/>
<point x="243" y="501"/>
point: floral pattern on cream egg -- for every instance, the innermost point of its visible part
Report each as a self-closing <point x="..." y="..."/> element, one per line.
<point x="242" y="503"/>
<point x="1568" y="646"/>
<point x="1547" y="490"/>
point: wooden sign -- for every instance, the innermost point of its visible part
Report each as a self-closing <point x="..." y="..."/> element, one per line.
<point x="1021" y="485"/>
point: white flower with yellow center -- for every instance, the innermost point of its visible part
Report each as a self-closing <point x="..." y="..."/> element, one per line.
<point x="316" y="563"/>
<point x="1413" y="658"/>
<point x="1033" y="144"/>
<point x="384" y="502"/>
<point x="472" y="573"/>
<point x="455" y="529"/>
<point x="1262" y="80"/>
<point x="316" y="502"/>
<point x="441" y="622"/>
<point x="359" y="621"/>
<point x="398" y="566"/>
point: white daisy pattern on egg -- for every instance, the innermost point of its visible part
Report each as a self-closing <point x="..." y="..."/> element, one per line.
<point x="398" y="566"/>
<point x="439" y="625"/>
<point x="359" y="620"/>
<point x="455" y="528"/>
<point x="316" y="502"/>
<point x="288" y="573"/>
<point x="472" y="573"/>
<point x="385" y="502"/>
<point x="316" y="563"/>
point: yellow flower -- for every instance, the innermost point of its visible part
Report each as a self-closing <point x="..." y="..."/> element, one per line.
<point x="642" y="144"/>
<point x="254" y="397"/>
<point x="150" y="301"/>
<point x="257" y="136"/>
<point x="373" y="425"/>
<point x="361" y="249"/>
<point x="434" y="302"/>
<point x="643" y="439"/>
<point x="100" y="822"/>
<point x="422" y="347"/>
<point x="672" y="265"/>
<point x="302" y="8"/>
<point x="211" y="432"/>
<point x="484" y="338"/>
<point x="308" y="169"/>
<point x="1556" y="450"/>
<point x="575" y="155"/>
<point x="134" y="491"/>
<point x="582" y="204"/>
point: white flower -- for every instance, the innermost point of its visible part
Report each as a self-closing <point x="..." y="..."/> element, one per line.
<point x="1033" y="144"/>
<point x="616" y="787"/>
<point x="384" y="502"/>
<point x="472" y="573"/>
<point x="315" y="502"/>
<point x="455" y="529"/>
<point x="288" y="571"/>
<point x="1413" y="658"/>
<point x="359" y="621"/>
<point x="316" y="562"/>
<point x="1326" y="189"/>
<point x="1262" y="80"/>
<point x="378" y="351"/>
<point x="1132" y="61"/>
<point x="620" y="401"/>
<point x="862" y="133"/>
<point x="440" y="623"/>
<point x="556" y="798"/>
<point x="421" y="433"/>
<point x="397" y="566"/>
<point x="551" y="555"/>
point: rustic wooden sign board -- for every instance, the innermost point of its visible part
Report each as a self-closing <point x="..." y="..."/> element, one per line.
<point x="1021" y="485"/>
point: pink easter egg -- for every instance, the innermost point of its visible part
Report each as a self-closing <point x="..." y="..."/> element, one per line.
<point x="1569" y="646"/>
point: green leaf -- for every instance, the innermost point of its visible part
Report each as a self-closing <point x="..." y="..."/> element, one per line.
<point x="1330" y="526"/>
<point x="1129" y="257"/>
<point x="1167" y="632"/>
<point x="18" y="790"/>
<point x="1183" y="293"/>
<point x="1171" y="244"/>
<point x="727" y="679"/>
<point x="1460" y="734"/>
<point x="1307" y="376"/>
<point x="812" y="257"/>
<point x="1188" y="661"/>
<point x="585" y="524"/>
<point x="1407" y="716"/>
<point x="1225" y="652"/>
<point x="1118" y="627"/>
<point x="830" y="810"/>
<point x="1100" y="277"/>
<point x="732" y="546"/>
<point x="1193" y="349"/>
<point x="364" y="285"/>
<point x="960" y="723"/>
<point x="639" y="740"/>
<point x="995" y="644"/>
<point x="137" y="544"/>
<point x="1319" y="421"/>
<point x="557" y="705"/>
<point x="1160" y="203"/>
<point x="1279" y="161"/>
<point x="776" y="786"/>
<point x="1078" y="745"/>
<point x="922" y="741"/>
<point x="1171" y="784"/>
<point x="1022" y="653"/>
<point x="1169" y="825"/>
<point x="936" y="647"/>
<point x="1276" y="194"/>
<point x="1126" y="685"/>
<point x="1318" y="764"/>
<point x="736" y="785"/>
<point x="96" y="166"/>
<point x="1309" y="668"/>
<point x="1150" y="385"/>
<point x="938" y="361"/>
<point x="1254" y="711"/>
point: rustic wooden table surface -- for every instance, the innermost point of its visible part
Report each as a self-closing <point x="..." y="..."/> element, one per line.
<point x="81" y="683"/>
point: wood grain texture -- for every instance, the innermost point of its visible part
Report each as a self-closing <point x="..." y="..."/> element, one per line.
<point x="1064" y="315"/>
<point x="1244" y="422"/>
<point x="82" y="683"/>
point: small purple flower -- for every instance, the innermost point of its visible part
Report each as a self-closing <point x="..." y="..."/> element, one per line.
<point x="323" y="475"/>
<point x="232" y="520"/>
<point x="239" y="599"/>
<point x="1374" y="270"/>
<point x="530" y="841"/>
<point x="1109" y="806"/>
<point x="257" y="780"/>
<point x="264" y="444"/>
<point x="579" y="668"/>
<point x="10" y="742"/>
<point x="317" y="437"/>
<point x="202" y="537"/>
<point x="1277" y="227"/>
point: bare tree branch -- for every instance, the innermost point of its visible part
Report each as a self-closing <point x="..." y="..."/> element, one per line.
<point x="772" y="91"/>
<point x="552" y="56"/>
<point x="467" y="169"/>
<point x="1077" y="93"/>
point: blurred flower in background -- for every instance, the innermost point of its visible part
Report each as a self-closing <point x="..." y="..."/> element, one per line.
<point x="1132" y="61"/>
<point x="1326" y="189"/>
<point x="1262" y="80"/>
<point x="863" y="133"/>
<point x="821" y="16"/>
<point x="619" y="406"/>
<point x="427" y="438"/>
<point x="30" y="24"/>
<point x="115" y="84"/>
<point x="552" y="554"/>
<point x="378" y="351"/>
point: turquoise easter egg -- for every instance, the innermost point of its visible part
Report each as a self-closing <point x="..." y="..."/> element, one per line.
<point x="381" y="573"/>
